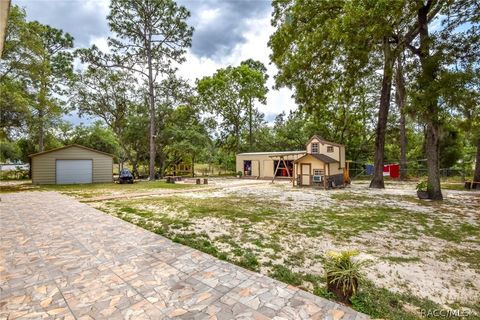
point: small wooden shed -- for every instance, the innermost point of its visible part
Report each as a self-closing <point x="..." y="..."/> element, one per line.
<point x="70" y="165"/>
<point x="323" y="164"/>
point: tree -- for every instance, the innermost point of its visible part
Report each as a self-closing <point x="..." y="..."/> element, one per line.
<point x="95" y="136"/>
<point x="149" y="35"/>
<point x="260" y="67"/>
<point x="50" y="77"/>
<point x="400" y="100"/>
<point x="35" y="70"/>
<point x="187" y="134"/>
<point x="111" y="96"/>
<point x="230" y="93"/>
<point x="16" y="60"/>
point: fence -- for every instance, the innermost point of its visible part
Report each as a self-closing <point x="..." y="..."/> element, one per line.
<point x="358" y="171"/>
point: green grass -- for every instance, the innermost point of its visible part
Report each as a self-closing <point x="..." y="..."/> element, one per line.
<point x="396" y="259"/>
<point x="348" y="196"/>
<point x="95" y="189"/>
<point x="245" y="244"/>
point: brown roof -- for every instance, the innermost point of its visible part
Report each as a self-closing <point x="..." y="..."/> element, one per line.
<point x="324" y="141"/>
<point x="321" y="157"/>
<point x="69" y="146"/>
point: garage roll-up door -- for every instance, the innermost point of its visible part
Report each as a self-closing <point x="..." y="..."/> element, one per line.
<point x="74" y="171"/>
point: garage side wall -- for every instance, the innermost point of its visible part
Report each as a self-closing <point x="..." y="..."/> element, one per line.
<point x="44" y="165"/>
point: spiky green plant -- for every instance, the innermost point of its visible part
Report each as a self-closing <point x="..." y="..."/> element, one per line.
<point x="344" y="273"/>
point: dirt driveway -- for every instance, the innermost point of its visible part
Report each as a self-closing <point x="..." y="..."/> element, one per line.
<point x="64" y="259"/>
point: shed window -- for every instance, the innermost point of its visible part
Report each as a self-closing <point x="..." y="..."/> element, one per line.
<point x="315" y="147"/>
<point x="329" y="149"/>
<point x="317" y="172"/>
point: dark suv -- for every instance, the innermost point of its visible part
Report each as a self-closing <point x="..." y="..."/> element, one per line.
<point x="125" y="176"/>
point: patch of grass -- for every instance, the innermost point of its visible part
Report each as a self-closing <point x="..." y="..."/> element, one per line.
<point x="453" y="186"/>
<point x="470" y="257"/>
<point x="348" y="196"/>
<point x="197" y="241"/>
<point x="397" y="259"/>
<point x="18" y="186"/>
<point x="248" y="261"/>
<point x="284" y="274"/>
<point x="382" y="303"/>
<point x="452" y="232"/>
<point x="231" y="208"/>
<point x="348" y="222"/>
<point x="95" y="189"/>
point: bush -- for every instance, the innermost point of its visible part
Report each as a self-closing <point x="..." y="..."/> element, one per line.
<point x="17" y="174"/>
<point x="422" y="186"/>
<point x="343" y="274"/>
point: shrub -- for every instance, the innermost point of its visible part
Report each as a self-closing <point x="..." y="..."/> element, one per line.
<point x="422" y="186"/>
<point x="343" y="274"/>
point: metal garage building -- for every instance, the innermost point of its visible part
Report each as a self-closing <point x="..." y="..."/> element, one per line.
<point x="71" y="164"/>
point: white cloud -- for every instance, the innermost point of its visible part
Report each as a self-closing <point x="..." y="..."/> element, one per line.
<point x="255" y="47"/>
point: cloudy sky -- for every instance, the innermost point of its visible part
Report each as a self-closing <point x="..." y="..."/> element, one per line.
<point x="226" y="33"/>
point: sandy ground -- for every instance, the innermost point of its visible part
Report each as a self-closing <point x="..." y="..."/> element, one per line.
<point x="423" y="269"/>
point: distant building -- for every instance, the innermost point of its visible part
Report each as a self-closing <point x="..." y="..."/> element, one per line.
<point x="322" y="163"/>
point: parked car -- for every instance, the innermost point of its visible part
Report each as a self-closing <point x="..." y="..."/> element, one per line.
<point x="125" y="176"/>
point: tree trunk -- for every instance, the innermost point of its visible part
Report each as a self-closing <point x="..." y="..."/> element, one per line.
<point x="377" y="180"/>
<point x="151" y="100"/>
<point x="250" y="124"/>
<point x="433" y="168"/>
<point x="429" y="72"/>
<point x="41" y="132"/>
<point x="476" y="176"/>
<point x="193" y="165"/>
<point x="400" y="96"/>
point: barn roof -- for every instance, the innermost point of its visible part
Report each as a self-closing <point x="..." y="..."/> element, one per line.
<point x="70" y="146"/>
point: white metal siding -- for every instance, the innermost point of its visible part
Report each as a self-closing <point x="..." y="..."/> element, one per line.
<point x="74" y="171"/>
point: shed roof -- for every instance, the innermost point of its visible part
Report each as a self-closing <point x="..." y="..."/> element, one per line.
<point x="274" y="153"/>
<point x="70" y="146"/>
<point x="324" y="141"/>
<point x="321" y="157"/>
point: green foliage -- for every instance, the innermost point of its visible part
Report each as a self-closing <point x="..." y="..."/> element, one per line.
<point x="230" y="94"/>
<point x="284" y="274"/>
<point x="96" y="137"/>
<point x="9" y="152"/>
<point x="36" y="71"/>
<point x="422" y="186"/>
<point x="343" y="272"/>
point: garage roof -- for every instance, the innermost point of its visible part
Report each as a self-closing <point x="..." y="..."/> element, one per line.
<point x="70" y="146"/>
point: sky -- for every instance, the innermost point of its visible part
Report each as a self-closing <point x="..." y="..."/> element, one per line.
<point x="226" y="33"/>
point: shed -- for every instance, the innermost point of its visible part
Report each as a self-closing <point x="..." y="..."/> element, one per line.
<point x="71" y="164"/>
<point x="323" y="164"/>
<point x="267" y="165"/>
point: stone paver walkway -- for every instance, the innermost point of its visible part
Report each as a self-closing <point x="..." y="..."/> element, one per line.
<point x="60" y="258"/>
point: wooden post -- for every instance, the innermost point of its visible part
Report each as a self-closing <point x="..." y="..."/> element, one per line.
<point x="285" y="164"/>
<point x="294" y="173"/>
<point x="325" y="176"/>
<point x="276" y="169"/>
